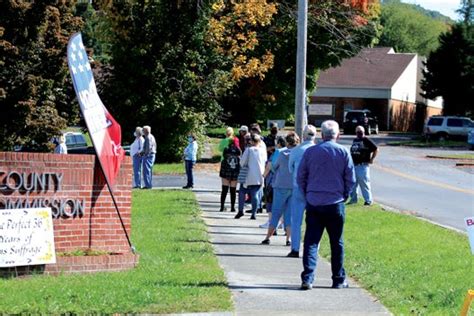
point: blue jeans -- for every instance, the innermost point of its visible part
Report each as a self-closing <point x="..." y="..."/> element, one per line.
<point x="281" y="206"/>
<point x="318" y="218"/>
<point x="253" y="191"/>
<point x="137" y="171"/>
<point x="188" y="165"/>
<point x="362" y="173"/>
<point x="298" y="204"/>
<point x="242" y="192"/>
<point x="148" y="162"/>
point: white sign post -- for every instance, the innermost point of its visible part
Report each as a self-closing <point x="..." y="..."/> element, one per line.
<point x="26" y="237"/>
<point x="470" y="231"/>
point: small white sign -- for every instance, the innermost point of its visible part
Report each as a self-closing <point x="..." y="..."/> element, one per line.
<point x="321" y="109"/>
<point x="26" y="237"/>
<point x="470" y="231"/>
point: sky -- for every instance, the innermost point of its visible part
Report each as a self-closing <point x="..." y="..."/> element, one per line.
<point x="446" y="7"/>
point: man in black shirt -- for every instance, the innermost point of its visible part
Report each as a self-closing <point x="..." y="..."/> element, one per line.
<point x="363" y="152"/>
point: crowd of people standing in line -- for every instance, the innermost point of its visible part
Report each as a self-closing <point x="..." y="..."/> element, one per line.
<point x="294" y="177"/>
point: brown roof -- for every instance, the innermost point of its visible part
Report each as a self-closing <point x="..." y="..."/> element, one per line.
<point x="372" y="68"/>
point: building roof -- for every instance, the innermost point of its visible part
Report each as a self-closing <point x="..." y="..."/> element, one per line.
<point x="372" y="68"/>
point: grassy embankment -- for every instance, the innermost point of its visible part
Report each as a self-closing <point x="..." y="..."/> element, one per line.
<point x="177" y="273"/>
<point x="412" y="266"/>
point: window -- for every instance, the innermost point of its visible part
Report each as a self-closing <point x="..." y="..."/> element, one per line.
<point x="435" y="121"/>
<point x="454" y="122"/>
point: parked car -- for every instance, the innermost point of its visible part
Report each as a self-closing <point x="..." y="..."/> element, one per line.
<point x="363" y="118"/>
<point x="444" y="127"/>
<point x="76" y="144"/>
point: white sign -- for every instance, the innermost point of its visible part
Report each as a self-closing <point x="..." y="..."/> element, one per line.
<point x="470" y="231"/>
<point x="320" y="109"/>
<point x="26" y="237"/>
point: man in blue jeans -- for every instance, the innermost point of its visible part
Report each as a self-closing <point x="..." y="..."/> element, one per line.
<point x="148" y="153"/>
<point x="326" y="177"/>
<point x="363" y="152"/>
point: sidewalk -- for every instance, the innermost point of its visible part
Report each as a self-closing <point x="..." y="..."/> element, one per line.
<point x="261" y="278"/>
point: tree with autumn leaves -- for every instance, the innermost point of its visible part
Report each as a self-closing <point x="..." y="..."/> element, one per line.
<point x="173" y="65"/>
<point x="36" y="93"/>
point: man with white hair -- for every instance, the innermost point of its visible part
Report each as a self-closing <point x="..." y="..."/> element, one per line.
<point x="363" y="152"/>
<point x="326" y="178"/>
<point x="298" y="202"/>
<point x="148" y="153"/>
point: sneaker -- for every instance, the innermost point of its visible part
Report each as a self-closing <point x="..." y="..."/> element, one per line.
<point x="188" y="187"/>
<point x="343" y="285"/>
<point x="306" y="286"/>
<point x="288" y="243"/>
<point x="253" y="217"/>
<point x="368" y="203"/>
<point x="275" y="233"/>
<point x="265" y="242"/>
<point x="351" y="202"/>
<point x="221" y="209"/>
<point x="248" y="211"/>
<point x="232" y="210"/>
<point x="239" y="215"/>
<point x="293" y="254"/>
<point x="264" y="225"/>
<point x="259" y="210"/>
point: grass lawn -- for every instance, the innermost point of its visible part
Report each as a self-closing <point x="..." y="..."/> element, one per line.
<point x="428" y="144"/>
<point x="177" y="271"/>
<point x="454" y="156"/>
<point x="412" y="266"/>
<point x="176" y="168"/>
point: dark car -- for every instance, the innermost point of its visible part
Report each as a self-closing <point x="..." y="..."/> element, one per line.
<point x="363" y="118"/>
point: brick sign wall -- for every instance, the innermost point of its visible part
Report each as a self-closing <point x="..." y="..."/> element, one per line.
<point x="73" y="186"/>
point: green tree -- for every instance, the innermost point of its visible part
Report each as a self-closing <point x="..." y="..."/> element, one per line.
<point x="450" y="71"/>
<point x="337" y="29"/>
<point x="35" y="88"/>
<point x="408" y="30"/>
<point x="161" y="74"/>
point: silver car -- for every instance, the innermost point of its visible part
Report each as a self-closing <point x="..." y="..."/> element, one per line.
<point x="444" y="127"/>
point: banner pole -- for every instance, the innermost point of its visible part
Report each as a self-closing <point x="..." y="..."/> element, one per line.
<point x="117" y="209"/>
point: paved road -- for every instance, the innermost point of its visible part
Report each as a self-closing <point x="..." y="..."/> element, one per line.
<point x="405" y="179"/>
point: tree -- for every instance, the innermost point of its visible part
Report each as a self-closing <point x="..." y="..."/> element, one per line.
<point x="337" y="29"/>
<point x="450" y="71"/>
<point x="161" y="72"/>
<point x="35" y="88"/>
<point x="467" y="11"/>
<point x="408" y="30"/>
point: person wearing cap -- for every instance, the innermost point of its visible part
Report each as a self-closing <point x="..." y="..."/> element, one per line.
<point x="363" y="152"/>
<point x="243" y="132"/>
<point x="298" y="202"/>
<point x="227" y="182"/>
<point x="270" y="140"/>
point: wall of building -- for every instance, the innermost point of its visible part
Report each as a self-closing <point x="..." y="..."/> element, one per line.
<point x="405" y="88"/>
<point x="83" y="211"/>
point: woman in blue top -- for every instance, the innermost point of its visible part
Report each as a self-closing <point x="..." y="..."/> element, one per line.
<point x="190" y="157"/>
<point x="282" y="190"/>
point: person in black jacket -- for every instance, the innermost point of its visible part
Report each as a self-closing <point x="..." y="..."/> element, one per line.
<point x="363" y="152"/>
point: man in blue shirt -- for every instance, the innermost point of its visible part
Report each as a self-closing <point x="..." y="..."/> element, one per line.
<point x="326" y="178"/>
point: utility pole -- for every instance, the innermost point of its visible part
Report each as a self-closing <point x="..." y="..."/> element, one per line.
<point x="300" y="93"/>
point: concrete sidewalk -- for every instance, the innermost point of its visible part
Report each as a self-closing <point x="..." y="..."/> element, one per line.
<point x="262" y="279"/>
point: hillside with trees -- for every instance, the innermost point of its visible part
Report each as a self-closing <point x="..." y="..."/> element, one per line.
<point x="409" y="28"/>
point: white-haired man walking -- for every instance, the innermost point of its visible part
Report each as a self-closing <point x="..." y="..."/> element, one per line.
<point x="148" y="153"/>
